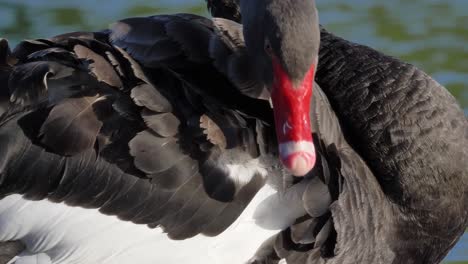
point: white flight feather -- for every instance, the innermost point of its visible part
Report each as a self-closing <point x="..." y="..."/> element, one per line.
<point x="76" y="235"/>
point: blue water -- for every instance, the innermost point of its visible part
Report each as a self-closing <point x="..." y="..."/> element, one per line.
<point x="432" y="34"/>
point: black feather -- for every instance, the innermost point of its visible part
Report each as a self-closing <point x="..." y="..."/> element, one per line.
<point x="163" y="124"/>
<point x="177" y="175"/>
<point x="99" y="66"/>
<point x="9" y="250"/>
<point x="72" y="126"/>
<point x="154" y="154"/>
<point x="146" y="95"/>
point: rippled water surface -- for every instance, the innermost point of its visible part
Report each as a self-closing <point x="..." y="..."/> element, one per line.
<point x="432" y="34"/>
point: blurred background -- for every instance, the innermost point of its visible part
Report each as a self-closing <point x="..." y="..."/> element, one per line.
<point x="432" y="34"/>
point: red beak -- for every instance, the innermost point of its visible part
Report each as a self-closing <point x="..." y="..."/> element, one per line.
<point x="291" y="106"/>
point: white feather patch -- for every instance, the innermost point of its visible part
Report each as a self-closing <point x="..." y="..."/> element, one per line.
<point x="243" y="173"/>
<point x="76" y="235"/>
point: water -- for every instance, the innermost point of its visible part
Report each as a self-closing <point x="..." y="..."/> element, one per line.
<point x="428" y="33"/>
<point x="431" y="34"/>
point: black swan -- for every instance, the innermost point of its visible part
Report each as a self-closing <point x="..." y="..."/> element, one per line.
<point x="165" y="123"/>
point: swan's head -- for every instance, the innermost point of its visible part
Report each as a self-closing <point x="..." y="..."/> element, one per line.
<point x="283" y="38"/>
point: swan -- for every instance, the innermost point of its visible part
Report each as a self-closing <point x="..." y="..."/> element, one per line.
<point x="173" y="139"/>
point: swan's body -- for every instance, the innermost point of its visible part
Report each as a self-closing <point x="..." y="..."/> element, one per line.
<point x="181" y="139"/>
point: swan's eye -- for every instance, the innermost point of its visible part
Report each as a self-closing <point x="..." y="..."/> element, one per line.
<point x="268" y="47"/>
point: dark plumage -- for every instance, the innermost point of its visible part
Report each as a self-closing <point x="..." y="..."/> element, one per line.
<point x="152" y="136"/>
<point x="228" y="9"/>
<point x="10" y="249"/>
<point x="410" y="194"/>
<point x="5" y="70"/>
<point x="143" y="120"/>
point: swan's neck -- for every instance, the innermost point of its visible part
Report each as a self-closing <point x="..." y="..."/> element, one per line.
<point x="409" y="130"/>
